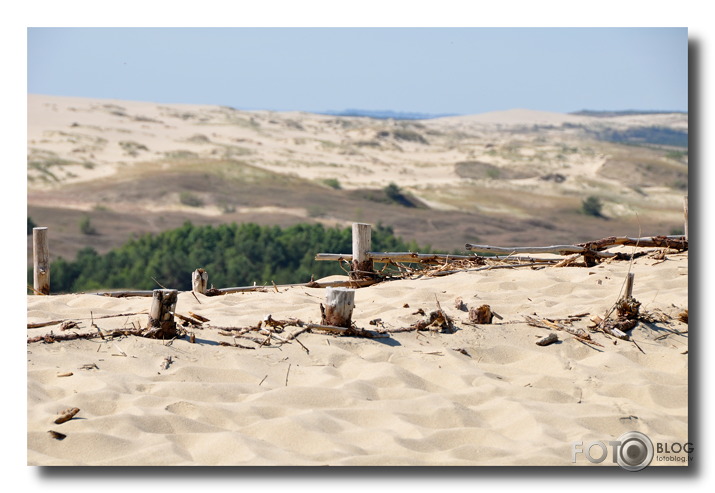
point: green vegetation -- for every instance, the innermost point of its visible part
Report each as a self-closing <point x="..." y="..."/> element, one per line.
<point x="391" y="194"/>
<point x="409" y="136"/>
<point x="233" y="255"/>
<point x="30" y="225"/>
<point x="132" y="148"/>
<point x="188" y="198"/>
<point x="677" y="155"/>
<point x="643" y="135"/>
<point x="180" y="154"/>
<point x="332" y="183"/>
<point x="592" y="206"/>
<point x="394" y="193"/>
<point x="493" y="173"/>
<point x="86" y="226"/>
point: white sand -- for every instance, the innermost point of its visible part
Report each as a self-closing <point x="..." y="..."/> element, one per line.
<point x="408" y="400"/>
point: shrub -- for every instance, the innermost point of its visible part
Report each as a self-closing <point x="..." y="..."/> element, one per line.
<point x="394" y="193"/>
<point x="409" y="136"/>
<point x="332" y="183"/>
<point x="86" y="226"/>
<point x="493" y="173"/>
<point x="132" y="148"/>
<point x="188" y="198"/>
<point x="30" y="225"/>
<point x="592" y="206"/>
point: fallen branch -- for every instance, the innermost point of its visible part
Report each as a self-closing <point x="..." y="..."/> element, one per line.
<point x="66" y="415"/>
<point x="677" y="242"/>
<point x="579" y="334"/>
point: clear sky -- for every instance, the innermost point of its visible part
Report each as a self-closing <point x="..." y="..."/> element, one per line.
<point x="427" y="70"/>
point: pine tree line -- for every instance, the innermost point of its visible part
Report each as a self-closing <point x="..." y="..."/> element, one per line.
<point x="233" y="255"/>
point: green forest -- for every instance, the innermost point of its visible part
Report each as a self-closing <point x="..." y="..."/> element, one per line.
<point x="233" y="255"/>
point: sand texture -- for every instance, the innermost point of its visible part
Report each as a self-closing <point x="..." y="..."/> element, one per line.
<point x="483" y="395"/>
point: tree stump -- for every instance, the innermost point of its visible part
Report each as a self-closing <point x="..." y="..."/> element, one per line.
<point x="362" y="266"/>
<point x="338" y="310"/>
<point x="161" y="324"/>
<point x="41" y="261"/>
<point x="199" y="281"/>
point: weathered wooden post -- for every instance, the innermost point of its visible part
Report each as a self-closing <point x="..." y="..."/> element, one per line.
<point x="685" y="213"/>
<point x="629" y="286"/>
<point x="41" y="261"/>
<point x="362" y="244"/>
<point x="161" y="322"/>
<point x="199" y="281"/>
<point x="339" y="304"/>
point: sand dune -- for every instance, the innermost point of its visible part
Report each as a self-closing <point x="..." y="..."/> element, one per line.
<point x="410" y="399"/>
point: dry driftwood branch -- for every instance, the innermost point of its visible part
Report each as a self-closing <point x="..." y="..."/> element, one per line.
<point x="68" y="325"/>
<point x="228" y="344"/>
<point x="437" y="320"/>
<point x="549" y="339"/>
<point x="554" y="249"/>
<point x="406" y="257"/>
<point x="678" y="242"/>
<point x="199" y="317"/>
<point x="580" y="334"/>
<point x="37" y="325"/>
<point x="189" y="320"/>
<point x="66" y="415"/>
<point x="125" y="294"/>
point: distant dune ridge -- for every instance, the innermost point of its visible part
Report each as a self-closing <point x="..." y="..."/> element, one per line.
<point x="138" y="167"/>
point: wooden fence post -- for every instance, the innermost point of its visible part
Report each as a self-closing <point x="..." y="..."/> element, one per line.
<point x="362" y="243"/>
<point x="41" y="260"/>
<point x="161" y="322"/>
<point x="339" y="304"/>
<point x="685" y="213"/>
<point x="199" y="281"/>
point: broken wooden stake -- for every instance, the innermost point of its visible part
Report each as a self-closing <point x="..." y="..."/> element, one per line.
<point x="338" y="310"/>
<point x="481" y="315"/>
<point x="199" y="281"/>
<point x="41" y="261"/>
<point x="362" y="266"/>
<point x="161" y="322"/>
<point x="629" y="285"/>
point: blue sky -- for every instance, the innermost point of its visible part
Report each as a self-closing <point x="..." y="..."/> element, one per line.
<point x="427" y="70"/>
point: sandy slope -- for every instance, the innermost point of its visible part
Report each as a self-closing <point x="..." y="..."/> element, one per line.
<point x="410" y="399"/>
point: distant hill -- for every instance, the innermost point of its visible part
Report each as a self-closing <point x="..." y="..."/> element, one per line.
<point x="609" y="114"/>
<point x="387" y="114"/>
<point x="100" y="172"/>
